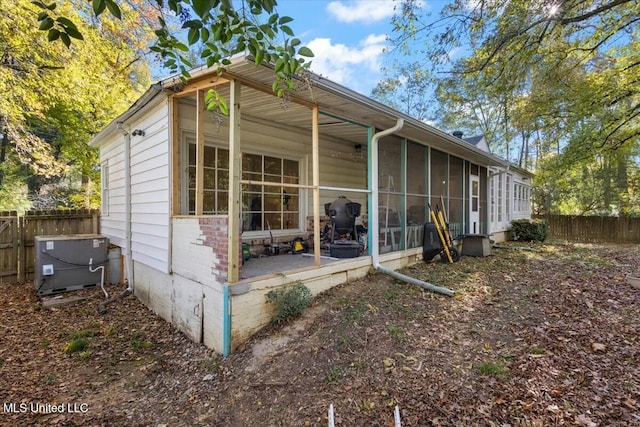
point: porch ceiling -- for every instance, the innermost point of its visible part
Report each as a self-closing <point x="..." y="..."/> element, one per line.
<point x="344" y="114"/>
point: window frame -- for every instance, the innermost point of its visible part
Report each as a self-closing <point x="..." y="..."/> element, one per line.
<point x="104" y="188"/>
<point x="190" y="138"/>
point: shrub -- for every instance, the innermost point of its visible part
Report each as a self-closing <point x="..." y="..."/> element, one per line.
<point x="529" y="230"/>
<point x="289" y="303"/>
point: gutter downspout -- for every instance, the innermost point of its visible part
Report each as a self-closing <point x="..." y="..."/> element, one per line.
<point x="375" y="246"/>
<point x="127" y="204"/>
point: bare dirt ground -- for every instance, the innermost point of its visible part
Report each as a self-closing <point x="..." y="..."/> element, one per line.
<point x="532" y="338"/>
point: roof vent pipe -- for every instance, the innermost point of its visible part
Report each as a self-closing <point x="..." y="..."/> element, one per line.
<point x="458" y="133"/>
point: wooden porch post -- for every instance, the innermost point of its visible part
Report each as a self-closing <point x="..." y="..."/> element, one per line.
<point x="315" y="148"/>
<point x="235" y="164"/>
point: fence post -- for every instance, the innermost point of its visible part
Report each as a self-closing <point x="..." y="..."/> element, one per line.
<point x="96" y="222"/>
<point x="19" y="242"/>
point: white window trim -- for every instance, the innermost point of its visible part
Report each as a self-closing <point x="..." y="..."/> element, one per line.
<point x="104" y="188"/>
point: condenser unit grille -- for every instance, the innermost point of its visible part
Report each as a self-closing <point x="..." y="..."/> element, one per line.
<point x="62" y="262"/>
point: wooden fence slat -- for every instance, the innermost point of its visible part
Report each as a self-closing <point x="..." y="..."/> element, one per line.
<point x="9" y="271"/>
<point x="593" y="229"/>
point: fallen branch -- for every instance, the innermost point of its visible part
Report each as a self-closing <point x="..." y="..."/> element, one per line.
<point x="521" y="248"/>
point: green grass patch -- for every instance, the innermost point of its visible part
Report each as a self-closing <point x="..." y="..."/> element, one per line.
<point x="212" y="364"/>
<point x="138" y="341"/>
<point x="85" y="333"/>
<point x="335" y="374"/>
<point x="496" y="369"/>
<point x="76" y="345"/>
<point x="354" y="312"/>
<point x="536" y="350"/>
<point x="396" y="333"/>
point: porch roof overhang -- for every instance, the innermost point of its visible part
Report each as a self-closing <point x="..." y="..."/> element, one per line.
<point x="333" y="101"/>
<point x="336" y="100"/>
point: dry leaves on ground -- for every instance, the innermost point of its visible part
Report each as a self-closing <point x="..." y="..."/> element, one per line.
<point x="532" y="338"/>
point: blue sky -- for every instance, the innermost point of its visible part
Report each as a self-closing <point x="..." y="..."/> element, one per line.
<point x="347" y="37"/>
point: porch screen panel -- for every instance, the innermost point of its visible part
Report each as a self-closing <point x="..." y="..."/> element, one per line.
<point x="456" y="195"/>
<point x="417" y="194"/>
<point x="439" y="177"/>
<point x="268" y="203"/>
<point x="390" y="194"/>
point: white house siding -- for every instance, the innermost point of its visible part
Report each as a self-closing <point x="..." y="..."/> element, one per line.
<point x="150" y="188"/>
<point x="112" y="223"/>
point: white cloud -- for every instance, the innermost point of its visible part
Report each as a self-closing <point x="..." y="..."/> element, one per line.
<point x="357" y="68"/>
<point x="366" y="11"/>
<point x="455" y="53"/>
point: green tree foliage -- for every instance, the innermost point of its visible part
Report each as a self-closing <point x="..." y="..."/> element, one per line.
<point x="53" y="98"/>
<point x="552" y="85"/>
<point x="222" y="28"/>
<point x="407" y="88"/>
<point x="67" y="76"/>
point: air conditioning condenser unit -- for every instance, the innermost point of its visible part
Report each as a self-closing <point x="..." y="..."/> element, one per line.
<point x="62" y="263"/>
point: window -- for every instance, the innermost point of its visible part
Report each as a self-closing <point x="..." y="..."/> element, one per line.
<point x="508" y="198"/>
<point x="522" y="202"/>
<point x="216" y="180"/>
<point x="499" y="197"/>
<point x="492" y="197"/>
<point x="267" y="202"/>
<point x="104" y="182"/>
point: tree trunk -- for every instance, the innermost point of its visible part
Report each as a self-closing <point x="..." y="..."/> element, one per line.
<point x="606" y="183"/>
<point x="3" y="149"/>
<point x="622" y="184"/>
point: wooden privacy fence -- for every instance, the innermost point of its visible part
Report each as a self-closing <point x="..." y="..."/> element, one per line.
<point x="18" y="232"/>
<point x="593" y="229"/>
